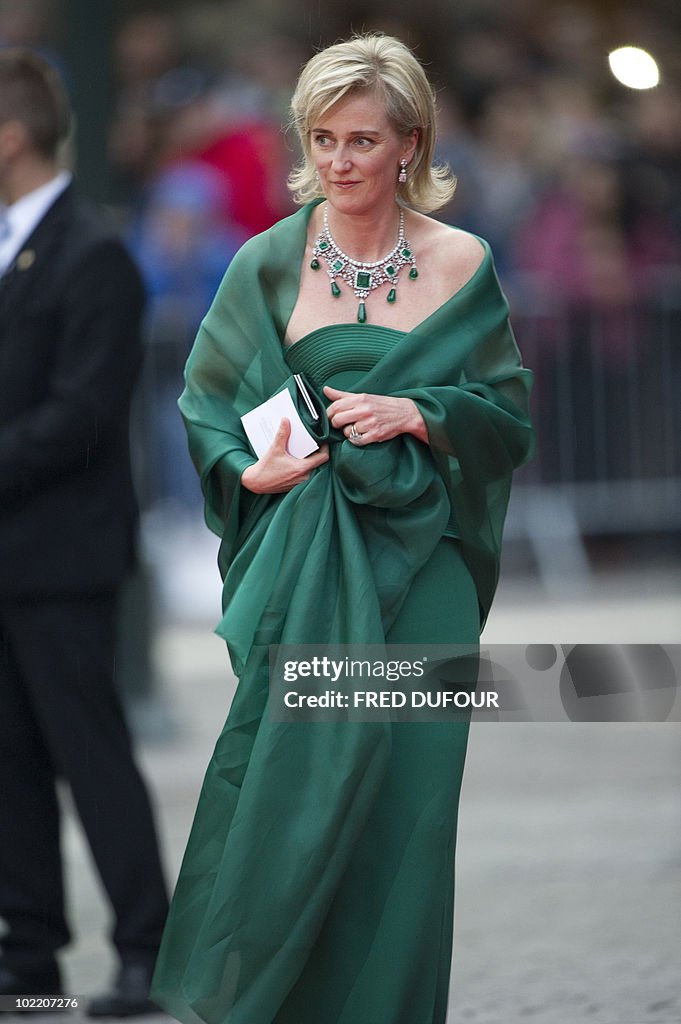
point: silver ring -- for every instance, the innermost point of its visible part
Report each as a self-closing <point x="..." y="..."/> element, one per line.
<point x="354" y="434"/>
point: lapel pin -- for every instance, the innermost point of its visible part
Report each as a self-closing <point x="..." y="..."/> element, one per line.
<point x="25" y="259"/>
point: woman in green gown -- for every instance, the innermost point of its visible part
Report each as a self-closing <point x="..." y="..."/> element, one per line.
<point x="317" y="885"/>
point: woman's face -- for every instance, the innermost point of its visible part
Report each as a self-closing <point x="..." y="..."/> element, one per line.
<point x="357" y="154"/>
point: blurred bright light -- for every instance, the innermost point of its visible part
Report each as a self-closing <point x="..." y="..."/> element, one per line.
<point x="634" y="67"/>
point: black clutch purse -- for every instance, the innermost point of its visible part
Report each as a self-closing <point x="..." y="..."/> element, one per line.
<point x="310" y="408"/>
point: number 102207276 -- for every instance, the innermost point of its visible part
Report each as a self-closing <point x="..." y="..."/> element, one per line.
<point x="24" y="1004"/>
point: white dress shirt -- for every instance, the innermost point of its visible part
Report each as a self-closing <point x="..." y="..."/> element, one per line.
<point x="19" y="221"/>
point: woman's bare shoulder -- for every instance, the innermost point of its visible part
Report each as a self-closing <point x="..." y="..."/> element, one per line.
<point x="455" y="253"/>
<point x="454" y="244"/>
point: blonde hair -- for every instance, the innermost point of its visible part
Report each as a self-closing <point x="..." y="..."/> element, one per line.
<point x="385" y="66"/>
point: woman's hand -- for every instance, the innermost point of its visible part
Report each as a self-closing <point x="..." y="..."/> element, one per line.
<point x="375" y="417"/>
<point x="277" y="471"/>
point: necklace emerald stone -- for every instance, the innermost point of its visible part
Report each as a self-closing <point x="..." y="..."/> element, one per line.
<point x="361" y="276"/>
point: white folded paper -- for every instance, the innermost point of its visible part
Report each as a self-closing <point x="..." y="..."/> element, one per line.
<point x="262" y="423"/>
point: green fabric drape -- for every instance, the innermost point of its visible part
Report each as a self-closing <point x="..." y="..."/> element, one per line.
<point x="330" y="561"/>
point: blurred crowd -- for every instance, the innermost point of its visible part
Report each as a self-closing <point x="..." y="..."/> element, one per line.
<point x="573" y="178"/>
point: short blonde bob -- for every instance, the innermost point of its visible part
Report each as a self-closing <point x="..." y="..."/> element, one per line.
<point x="385" y="66"/>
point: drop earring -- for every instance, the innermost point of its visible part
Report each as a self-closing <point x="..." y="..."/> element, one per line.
<point x="402" y="176"/>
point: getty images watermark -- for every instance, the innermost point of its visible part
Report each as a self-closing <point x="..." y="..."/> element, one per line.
<point x="494" y="683"/>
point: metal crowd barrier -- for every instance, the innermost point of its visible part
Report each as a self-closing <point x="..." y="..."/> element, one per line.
<point x="606" y="404"/>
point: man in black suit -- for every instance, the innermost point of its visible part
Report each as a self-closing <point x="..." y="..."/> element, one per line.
<point x="70" y="308"/>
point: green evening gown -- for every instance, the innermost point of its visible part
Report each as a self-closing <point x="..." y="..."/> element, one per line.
<point x="317" y="884"/>
<point x="383" y="949"/>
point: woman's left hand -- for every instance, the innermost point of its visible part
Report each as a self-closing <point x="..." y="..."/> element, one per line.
<point x="374" y="417"/>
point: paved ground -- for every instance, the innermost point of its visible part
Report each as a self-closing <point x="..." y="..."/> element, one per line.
<point x="569" y="858"/>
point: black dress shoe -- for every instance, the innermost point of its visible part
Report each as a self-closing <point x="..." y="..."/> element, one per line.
<point x="44" y="980"/>
<point x="129" y="996"/>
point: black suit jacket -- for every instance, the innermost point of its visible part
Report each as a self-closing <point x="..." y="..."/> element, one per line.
<point x="70" y="351"/>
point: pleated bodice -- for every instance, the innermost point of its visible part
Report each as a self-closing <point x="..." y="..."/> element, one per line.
<point x="340" y="353"/>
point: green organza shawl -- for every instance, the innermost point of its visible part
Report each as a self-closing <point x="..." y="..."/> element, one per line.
<point x="283" y="803"/>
